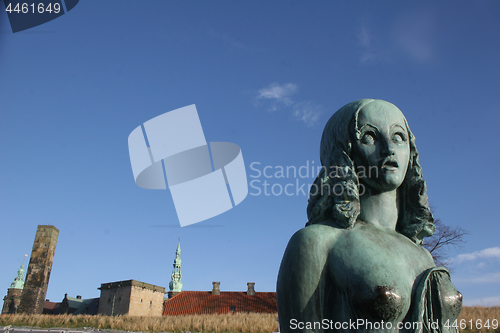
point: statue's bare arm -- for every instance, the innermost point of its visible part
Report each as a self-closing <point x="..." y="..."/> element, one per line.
<point x="302" y="277"/>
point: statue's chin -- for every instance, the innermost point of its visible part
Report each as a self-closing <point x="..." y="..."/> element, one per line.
<point x="384" y="183"/>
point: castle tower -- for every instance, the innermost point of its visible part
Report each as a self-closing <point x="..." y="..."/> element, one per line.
<point x="37" y="278"/>
<point x="176" y="285"/>
<point x="13" y="298"/>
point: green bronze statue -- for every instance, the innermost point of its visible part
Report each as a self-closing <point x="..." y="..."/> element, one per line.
<point x="359" y="264"/>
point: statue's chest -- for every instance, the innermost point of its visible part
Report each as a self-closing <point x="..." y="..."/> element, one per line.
<point x="376" y="271"/>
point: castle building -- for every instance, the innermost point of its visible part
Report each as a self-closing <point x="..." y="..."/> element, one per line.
<point x="37" y="278"/>
<point x="77" y="305"/>
<point x="205" y="302"/>
<point x="136" y="298"/>
<point x="132" y="298"/>
<point x="129" y="297"/>
<point x="13" y="299"/>
<point x="216" y="301"/>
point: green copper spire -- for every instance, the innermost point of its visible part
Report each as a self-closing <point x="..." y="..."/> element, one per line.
<point x="176" y="284"/>
<point x="19" y="280"/>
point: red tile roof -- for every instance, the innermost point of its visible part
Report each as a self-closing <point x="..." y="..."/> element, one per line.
<point x="203" y="302"/>
<point x="51" y="307"/>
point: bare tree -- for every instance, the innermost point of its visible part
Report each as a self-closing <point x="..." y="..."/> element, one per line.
<point x="444" y="237"/>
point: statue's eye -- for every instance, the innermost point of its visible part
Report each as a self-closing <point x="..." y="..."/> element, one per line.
<point x="368" y="138"/>
<point x="399" y="137"/>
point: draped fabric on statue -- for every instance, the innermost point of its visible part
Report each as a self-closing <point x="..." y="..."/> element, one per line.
<point x="436" y="303"/>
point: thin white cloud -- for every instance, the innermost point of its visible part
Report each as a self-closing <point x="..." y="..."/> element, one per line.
<point x="307" y="112"/>
<point x="364" y="38"/>
<point x="485" y="278"/>
<point x="374" y="46"/>
<point x="229" y="40"/>
<point x="414" y="34"/>
<point x="365" y="42"/>
<point x="486" y="301"/>
<point x="491" y="252"/>
<point x="280" y="96"/>
<point x="278" y="93"/>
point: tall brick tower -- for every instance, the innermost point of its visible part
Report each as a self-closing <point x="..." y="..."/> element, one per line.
<point x="37" y="278"/>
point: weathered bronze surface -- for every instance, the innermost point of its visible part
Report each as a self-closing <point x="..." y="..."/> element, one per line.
<point x="360" y="257"/>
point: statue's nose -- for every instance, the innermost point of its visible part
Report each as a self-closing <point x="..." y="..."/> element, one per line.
<point x="387" y="149"/>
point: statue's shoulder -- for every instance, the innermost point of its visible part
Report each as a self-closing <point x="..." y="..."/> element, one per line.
<point x="317" y="237"/>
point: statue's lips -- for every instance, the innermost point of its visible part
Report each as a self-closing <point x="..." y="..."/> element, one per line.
<point x="390" y="164"/>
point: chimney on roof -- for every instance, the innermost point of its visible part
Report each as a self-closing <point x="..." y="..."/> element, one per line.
<point x="216" y="290"/>
<point x="251" y="290"/>
<point x="79" y="296"/>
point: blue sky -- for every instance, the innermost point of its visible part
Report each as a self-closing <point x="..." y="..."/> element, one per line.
<point x="264" y="75"/>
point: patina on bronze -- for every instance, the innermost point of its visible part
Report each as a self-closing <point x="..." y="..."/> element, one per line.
<point x="360" y="257"/>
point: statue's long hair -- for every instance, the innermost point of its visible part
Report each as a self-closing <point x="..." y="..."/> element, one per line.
<point x="335" y="192"/>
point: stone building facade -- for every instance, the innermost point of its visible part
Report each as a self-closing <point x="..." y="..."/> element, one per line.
<point x="13" y="299"/>
<point x="132" y="298"/>
<point x="37" y="278"/>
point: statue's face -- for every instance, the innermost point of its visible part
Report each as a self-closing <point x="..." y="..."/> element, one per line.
<point x="382" y="151"/>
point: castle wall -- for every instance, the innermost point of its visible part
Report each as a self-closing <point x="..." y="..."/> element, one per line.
<point x="132" y="298"/>
<point x="37" y="277"/>
<point x="146" y="302"/>
<point x="114" y="300"/>
<point x="11" y="301"/>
